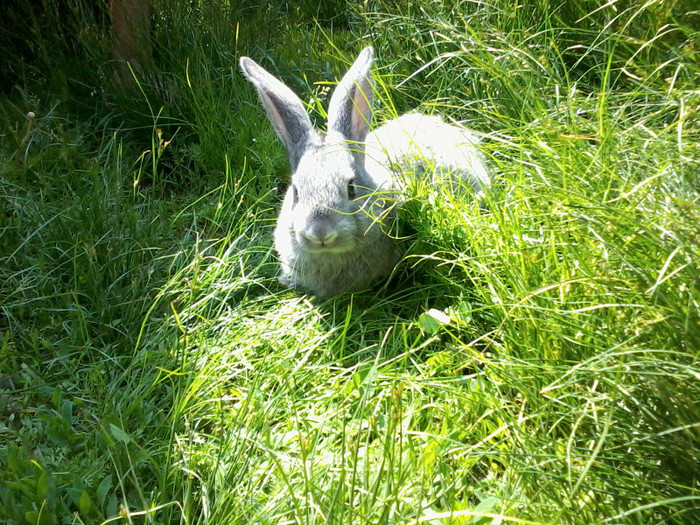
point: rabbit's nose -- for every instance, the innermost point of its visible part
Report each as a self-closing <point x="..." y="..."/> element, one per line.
<point x="320" y="234"/>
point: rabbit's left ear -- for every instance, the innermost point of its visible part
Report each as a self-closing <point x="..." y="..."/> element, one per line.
<point x="350" y="108"/>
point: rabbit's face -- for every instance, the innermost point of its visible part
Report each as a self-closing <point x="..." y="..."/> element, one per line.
<point x="330" y="203"/>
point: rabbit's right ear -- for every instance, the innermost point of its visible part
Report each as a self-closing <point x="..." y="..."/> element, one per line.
<point x="284" y="109"/>
<point x="350" y="108"/>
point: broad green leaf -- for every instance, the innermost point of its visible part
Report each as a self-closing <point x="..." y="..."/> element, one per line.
<point x="119" y="434"/>
<point x="103" y="489"/>
<point x="42" y="485"/>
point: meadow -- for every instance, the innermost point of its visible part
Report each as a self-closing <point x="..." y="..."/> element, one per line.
<point x="531" y="360"/>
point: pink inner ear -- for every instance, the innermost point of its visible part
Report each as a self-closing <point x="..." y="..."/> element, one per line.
<point x="350" y="108"/>
<point x="362" y="109"/>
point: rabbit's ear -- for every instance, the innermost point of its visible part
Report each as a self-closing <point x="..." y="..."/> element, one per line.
<point x="284" y="109"/>
<point x="350" y="108"/>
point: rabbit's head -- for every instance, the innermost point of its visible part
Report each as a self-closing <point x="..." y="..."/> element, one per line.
<point x="333" y="207"/>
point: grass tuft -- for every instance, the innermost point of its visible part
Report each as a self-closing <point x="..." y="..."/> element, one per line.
<point x="533" y="359"/>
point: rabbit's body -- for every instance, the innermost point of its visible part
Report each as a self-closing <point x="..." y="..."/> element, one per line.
<point x="331" y="235"/>
<point x="416" y="143"/>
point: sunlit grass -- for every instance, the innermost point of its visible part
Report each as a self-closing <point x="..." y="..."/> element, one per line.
<point x="533" y="359"/>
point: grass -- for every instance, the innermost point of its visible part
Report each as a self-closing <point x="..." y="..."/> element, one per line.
<point x="535" y="361"/>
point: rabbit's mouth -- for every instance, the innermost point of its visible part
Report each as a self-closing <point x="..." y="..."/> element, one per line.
<point x="331" y="248"/>
<point x="322" y="237"/>
<point x="332" y="244"/>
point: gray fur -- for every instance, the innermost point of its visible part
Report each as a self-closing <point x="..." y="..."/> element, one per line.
<point x="329" y="241"/>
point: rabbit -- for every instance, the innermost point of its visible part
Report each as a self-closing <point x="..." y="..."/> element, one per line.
<point x="332" y="232"/>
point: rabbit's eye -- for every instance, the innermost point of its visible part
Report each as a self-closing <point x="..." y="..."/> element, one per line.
<point x="295" y="195"/>
<point x="351" y="189"/>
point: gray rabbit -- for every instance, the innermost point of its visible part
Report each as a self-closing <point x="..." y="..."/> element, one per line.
<point x="331" y="234"/>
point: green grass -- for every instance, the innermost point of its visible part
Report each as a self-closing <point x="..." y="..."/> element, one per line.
<point x="535" y="360"/>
